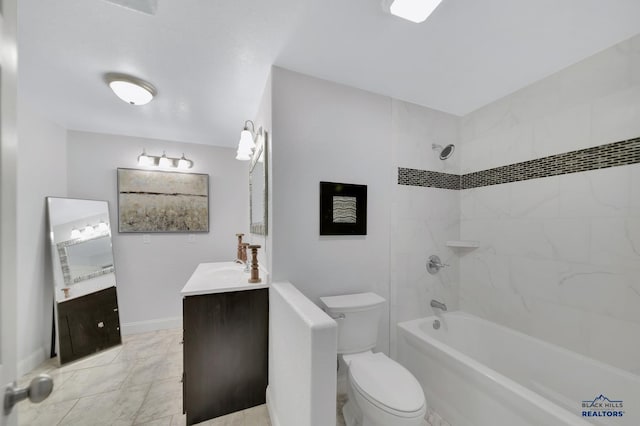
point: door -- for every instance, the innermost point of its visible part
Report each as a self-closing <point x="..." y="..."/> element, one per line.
<point x="8" y="148"/>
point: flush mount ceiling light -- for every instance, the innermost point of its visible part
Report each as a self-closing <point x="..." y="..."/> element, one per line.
<point x="146" y="160"/>
<point x="131" y="89"/>
<point x="412" y="10"/>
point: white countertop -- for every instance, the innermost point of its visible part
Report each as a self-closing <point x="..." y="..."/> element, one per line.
<point x="220" y="277"/>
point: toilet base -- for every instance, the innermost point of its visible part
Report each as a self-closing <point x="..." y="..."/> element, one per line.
<point x="350" y="418"/>
<point x="353" y="416"/>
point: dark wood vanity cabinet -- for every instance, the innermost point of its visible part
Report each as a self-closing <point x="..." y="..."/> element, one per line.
<point x="225" y="352"/>
<point x="88" y="324"/>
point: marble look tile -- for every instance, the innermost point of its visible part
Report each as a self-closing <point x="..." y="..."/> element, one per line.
<point x="143" y="370"/>
<point x="569" y="238"/>
<point x="45" y="415"/>
<point x="90" y="381"/>
<point x="156" y="344"/>
<point x="233" y="419"/>
<point x="258" y="416"/>
<point x="415" y="129"/>
<point x="179" y="420"/>
<point x="597" y="193"/>
<point x="615" y="241"/>
<point x="102" y="358"/>
<point x="536" y="198"/>
<point x="603" y="73"/>
<point x="118" y="407"/>
<point x="165" y="421"/>
<point x="164" y="399"/>
<point x="537" y="100"/>
<point x="616" y="117"/>
<point x="564" y="131"/>
<point x="634" y="200"/>
<point x="592" y="288"/>
<point x="170" y="365"/>
<point x="635" y="60"/>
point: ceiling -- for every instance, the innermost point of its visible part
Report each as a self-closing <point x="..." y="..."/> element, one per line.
<point x="210" y="59"/>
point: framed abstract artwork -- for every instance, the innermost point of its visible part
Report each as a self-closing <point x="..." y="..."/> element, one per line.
<point x="157" y="201"/>
<point x="343" y="209"/>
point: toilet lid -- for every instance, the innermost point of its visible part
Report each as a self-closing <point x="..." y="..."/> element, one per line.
<point x="386" y="383"/>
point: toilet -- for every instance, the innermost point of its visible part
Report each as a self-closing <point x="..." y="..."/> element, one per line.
<point x="380" y="391"/>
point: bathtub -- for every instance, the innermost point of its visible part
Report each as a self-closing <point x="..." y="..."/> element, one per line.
<point x="477" y="373"/>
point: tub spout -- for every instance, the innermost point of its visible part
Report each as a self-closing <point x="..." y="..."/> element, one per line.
<point x="439" y="305"/>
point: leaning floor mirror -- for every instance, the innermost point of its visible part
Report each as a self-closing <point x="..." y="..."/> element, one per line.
<point x="84" y="277"/>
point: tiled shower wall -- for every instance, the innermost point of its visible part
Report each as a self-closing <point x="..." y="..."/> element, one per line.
<point x="422" y="218"/>
<point x="559" y="256"/>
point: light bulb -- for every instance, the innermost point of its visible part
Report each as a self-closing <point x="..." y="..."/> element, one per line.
<point x="246" y="140"/>
<point x="243" y="155"/>
<point x="75" y="233"/>
<point x="414" y="10"/>
<point x="183" y="163"/>
<point x="144" y="159"/>
<point x="131" y="93"/>
<point x="164" y="161"/>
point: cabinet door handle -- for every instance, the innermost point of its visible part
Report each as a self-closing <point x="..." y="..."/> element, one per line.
<point x="100" y="324"/>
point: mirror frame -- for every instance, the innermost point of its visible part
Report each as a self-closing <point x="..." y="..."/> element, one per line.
<point x="262" y="149"/>
<point x="63" y="255"/>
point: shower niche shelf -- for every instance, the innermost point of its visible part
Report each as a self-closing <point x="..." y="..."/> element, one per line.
<point x="463" y="244"/>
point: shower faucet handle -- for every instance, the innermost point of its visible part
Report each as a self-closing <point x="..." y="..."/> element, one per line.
<point x="434" y="264"/>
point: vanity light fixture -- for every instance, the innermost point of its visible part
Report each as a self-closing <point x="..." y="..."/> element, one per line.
<point x="146" y="160"/>
<point x="130" y="89"/>
<point x="75" y="233"/>
<point x="88" y="231"/>
<point x="247" y="145"/>
<point x="412" y="10"/>
<point x="103" y="227"/>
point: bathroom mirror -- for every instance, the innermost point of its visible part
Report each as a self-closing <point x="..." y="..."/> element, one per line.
<point x="258" y="186"/>
<point x="84" y="277"/>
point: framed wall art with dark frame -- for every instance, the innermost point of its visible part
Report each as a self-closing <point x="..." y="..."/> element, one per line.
<point x="343" y="209"/>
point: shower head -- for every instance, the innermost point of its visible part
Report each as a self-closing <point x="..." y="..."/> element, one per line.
<point x="445" y="152"/>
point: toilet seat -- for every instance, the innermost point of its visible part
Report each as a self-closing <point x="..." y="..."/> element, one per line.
<point x="386" y="384"/>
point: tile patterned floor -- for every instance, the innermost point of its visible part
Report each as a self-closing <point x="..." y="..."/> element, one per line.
<point x="137" y="383"/>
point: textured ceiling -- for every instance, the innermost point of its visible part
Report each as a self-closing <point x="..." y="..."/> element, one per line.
<point x="210" y="59"/>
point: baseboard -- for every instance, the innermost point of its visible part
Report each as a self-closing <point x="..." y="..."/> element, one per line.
<point x="151" y="325"/>
<point x="28" y="364"/>
<point x="273" y="416"/>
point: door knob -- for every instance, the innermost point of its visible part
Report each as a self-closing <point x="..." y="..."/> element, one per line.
<point x="37" y="391"/>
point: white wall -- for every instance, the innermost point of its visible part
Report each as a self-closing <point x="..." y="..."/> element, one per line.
<point x="422" y="219"/>
<point x="328" y="132"/>
<point x="42" y="172"/>
<point x="559" y="256"/>
<point x="150" y="276"/>
<point x="302" y="363"/>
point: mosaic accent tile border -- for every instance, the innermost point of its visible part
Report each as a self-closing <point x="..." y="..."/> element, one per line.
<point x="415" y="177"/>
<point x="599" y="157"/>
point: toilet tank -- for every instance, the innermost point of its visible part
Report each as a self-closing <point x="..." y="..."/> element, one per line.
<point x="358" y="316"/>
